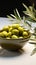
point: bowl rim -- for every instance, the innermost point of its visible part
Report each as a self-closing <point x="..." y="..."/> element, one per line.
<point x="15" y="39"/>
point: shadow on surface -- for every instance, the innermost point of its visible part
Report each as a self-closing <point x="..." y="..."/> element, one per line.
<point x="6" y="53"/>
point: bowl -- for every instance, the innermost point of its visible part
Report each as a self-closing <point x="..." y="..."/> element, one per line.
<point x="11" y="44"/>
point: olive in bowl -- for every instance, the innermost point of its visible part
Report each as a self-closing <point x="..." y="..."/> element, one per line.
<point x="13" y="37"/>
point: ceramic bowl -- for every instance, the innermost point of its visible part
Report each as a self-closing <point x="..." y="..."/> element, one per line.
<point x="11" y="44"/>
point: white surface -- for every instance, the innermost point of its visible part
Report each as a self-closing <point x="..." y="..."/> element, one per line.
<point x="18" y="58"/>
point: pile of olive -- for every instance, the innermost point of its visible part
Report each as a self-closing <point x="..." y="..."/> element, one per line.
<point x="14" y="31"/>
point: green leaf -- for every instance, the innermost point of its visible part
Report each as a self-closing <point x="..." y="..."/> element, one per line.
<point x="27" y="9"/>
<point x="13" y="16"/>
<point x="28" y="24"/>
<point x="30" y="19"/>
<point x="18" y="14"/>
<point x="25" y="12"/>
<point x="32" y="42"/>
<point x="9" y="17"/>
<point x="33" y="52"/>
<point x="30" y="12"/>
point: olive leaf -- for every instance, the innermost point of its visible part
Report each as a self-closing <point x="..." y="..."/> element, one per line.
<point x="33" y="41"/>
<point x="30" y="19"/>
<point x="30" y="12"/>
<point x="26" y="22"/>
<point x="9" y="17"/>
<point x="33" y="52"/>
<point x="15" y="16"/>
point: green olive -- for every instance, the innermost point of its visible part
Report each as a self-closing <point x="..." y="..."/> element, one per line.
<point x="25" y="37"/>
<point x="1" y="35"/>
<point x="9" y="34"/>
<point x="10" y="29"/>
<point x="14" y="37"/>
<point x="25" y="33"/>
<point x="20" y="37"/>
<point x="15" y="26"/>
<point x="7" y="37"/>
<point x="21" y="29"/>
<point x="15" y="32"/>
<point x="5" y="28"/>
<point x="4" y="33"/>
